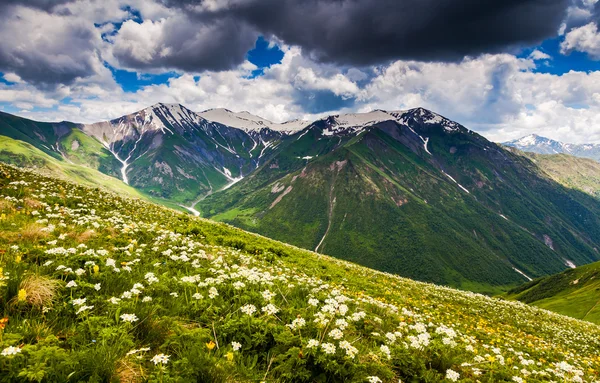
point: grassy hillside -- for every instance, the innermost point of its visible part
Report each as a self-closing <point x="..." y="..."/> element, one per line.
<point x="575" y="292"/>
<point x="84" y="150"/>
<point x="24" y="155"/>
<point x="100" y="288"/>
<point x="573" y="172"/>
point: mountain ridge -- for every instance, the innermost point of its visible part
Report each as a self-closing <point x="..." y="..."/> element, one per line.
<point x="543" y="145"/>
<point x="408" y="191"/>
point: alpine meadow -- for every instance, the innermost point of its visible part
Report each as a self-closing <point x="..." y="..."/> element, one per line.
<point x="302" y="191"/>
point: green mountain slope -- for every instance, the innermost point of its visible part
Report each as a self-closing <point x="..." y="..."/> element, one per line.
<point x="25" y="155"/>
<point x="572" y="172"/>
<point x="61" y="141"/>
<point x="456" y="210"/>
<point x="575" y="292"/>
<point x="97" y="287"/>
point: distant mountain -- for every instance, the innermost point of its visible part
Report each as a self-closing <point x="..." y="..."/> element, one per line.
<point x="542" y="145"/>
<point x="573" y="292"/>
<point x="409" y="192"/>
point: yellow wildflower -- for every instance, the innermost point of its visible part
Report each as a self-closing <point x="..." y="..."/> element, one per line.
<point x="22" y="295"/>
<point x="210" y="345"/>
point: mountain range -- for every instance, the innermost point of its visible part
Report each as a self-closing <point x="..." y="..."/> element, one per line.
<point x="409" y="192"/>
<point x="542" y="145"/>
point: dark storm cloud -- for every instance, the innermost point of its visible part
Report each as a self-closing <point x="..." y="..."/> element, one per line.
<point x="184" y="44"/>
<point x="46" y="5"/>
<point x="362" y="32"/>
<point x="46" y="49"/>
<point x="57" y="47"/>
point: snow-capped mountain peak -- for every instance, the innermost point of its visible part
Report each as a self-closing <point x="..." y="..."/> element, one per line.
<point x="250" y="122"/>
<point x="354" y="123"/>
<point x="542" y="145"/>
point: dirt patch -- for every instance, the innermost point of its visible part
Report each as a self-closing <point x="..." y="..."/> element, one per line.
<point x="277" y="188"/>
<point x="280" y="197"/>
<point x="338" y="164"/>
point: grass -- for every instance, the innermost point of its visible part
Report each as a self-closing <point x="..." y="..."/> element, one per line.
<point x="151" y="294"/>
<point x="574" y="292"/>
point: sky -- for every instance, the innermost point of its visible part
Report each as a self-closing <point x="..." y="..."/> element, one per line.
<point x="504" y="68"/>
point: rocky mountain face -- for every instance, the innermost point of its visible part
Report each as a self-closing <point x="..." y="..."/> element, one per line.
<point x="171" y="152"/>
<point x="542" y="145"/>
<point x="408" y="192"/>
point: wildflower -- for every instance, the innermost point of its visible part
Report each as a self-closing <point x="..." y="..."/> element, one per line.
<point x="10" y="350"/>
<point x="385" y="350"/>
<point x="160" y="359"/>
<point x="229" y="356"/>
<point x="351" y="351"/>
<point x="129" y="318"/>
<point x="297" y="323"/>
<point x="210" y="345"/>
<point x="114" y="300"/>
<point x="270" y="309"/>
<point x="79" y="272"/>
<point x="96" y="269"/>
<point x="174" y="294"/>
<point x="452" y="375"/>
<point x="312" y="343"/>
<point x="84" y="308"/>
<point x="390" y="337"/>
<point x="236" y="346"/>
<point x="97" y="287"/>
<point x="248" y="309"/>
<point x="373" y="379"/>
<point x="197" y="296"/>
<point x="328" y="348"/>
<point x="71" y="284"/>
<point x="22" y="295"/>
<point x="336" y="334"/>
<point x="78" y="302"/>
<point x="147" y="299"/>
<point x="212" y="293"/>
<point x="239" y="285"/>
<point x="267" y="295"/>
<point x="313" y="302"/>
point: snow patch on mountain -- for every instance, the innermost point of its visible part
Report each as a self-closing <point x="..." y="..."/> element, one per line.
<point x="249" y="122"/>
<point x="542" y="145"/>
